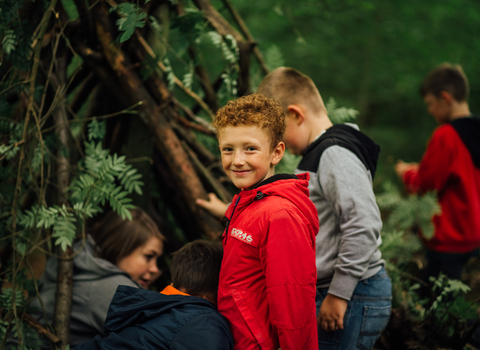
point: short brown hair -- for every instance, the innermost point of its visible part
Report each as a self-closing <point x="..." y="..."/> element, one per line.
<point x="196" y="268"/>
<point x="288" y="86"/>
<point x="449" y="78"/>
<point x="117" y="238"/>
<point x="256" y="110"/>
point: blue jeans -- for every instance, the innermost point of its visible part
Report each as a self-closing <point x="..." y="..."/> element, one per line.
<point x="366" y="317"/>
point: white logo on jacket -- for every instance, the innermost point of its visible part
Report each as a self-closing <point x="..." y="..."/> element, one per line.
<point x="237" y="233"/>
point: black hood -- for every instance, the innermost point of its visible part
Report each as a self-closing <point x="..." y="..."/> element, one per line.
<point x="344" y="136"/>
<point x="469" y="130"/>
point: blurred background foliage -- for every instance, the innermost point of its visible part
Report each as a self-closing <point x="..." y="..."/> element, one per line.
<point x="372" y="56"/>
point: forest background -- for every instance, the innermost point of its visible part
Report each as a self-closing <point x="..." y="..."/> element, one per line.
<point x="75" y="138"/>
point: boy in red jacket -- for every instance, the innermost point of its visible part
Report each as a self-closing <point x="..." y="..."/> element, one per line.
<point x="268" y="273"/>
<point x="450" y="166"/>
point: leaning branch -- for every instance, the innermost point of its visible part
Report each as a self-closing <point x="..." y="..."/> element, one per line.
<point x="177" y="81"/>
<point x="213" y="182"/>
<point x="224" y="28"/>
<point x="33" y="323"/>
<point x="246" y="32"/>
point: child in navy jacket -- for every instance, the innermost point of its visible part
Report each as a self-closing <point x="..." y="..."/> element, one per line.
<point x="182" y="316"/>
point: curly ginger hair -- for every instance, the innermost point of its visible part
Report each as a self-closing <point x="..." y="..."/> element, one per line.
<point x="254" y="109"/>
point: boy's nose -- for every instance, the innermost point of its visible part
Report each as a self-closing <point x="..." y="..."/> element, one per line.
<point x="238" y="158"/>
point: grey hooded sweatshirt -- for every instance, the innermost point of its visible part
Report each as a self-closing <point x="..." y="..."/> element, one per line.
<point x="341" y="188"/>
<point x="95" y="281"/>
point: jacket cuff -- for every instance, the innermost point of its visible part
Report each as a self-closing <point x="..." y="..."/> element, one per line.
<point x="343" y="285"/>
<point x="409" y="181"/>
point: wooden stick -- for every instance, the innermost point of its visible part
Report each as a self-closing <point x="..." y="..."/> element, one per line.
<point x="194" y="126"/>
<point x="222" y="26"/>
<point x="189" y="137"/>
<point x="220" y="191"/>
<point x="246" y="32"/>
<point x="33" y="323"/>
<point x="193" y="117"/>
<point x="189" y="92"/>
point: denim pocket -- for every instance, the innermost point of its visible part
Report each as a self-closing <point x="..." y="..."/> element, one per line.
<point x="374" y="321"/>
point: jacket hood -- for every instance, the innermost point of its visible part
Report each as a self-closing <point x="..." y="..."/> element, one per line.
<point x="347" y="136"/>
<point x="294" y="188"/>
<point x="469" y="130"/>
<point x="132" y="306"/>
<point x="86" y="266"/>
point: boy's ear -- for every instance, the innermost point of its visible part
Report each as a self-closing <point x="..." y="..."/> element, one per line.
<point x="278" y="152"/>
<point x="298" y="112"/>
<point x="446" y="96"/>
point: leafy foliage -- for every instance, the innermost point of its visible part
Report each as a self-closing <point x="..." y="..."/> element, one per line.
<point x="15" y="41"/>
<point x="274" y="57"/>
<point x="339" y="114"/>
<point x="412" y="212"/>
<point x="8" y="41"/>
<point x="96" y="130"/>
<point x="437" y="320"/>
<point x="132" y="17"/>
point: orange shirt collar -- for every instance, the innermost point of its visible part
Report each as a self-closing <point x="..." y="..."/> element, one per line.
<point x="169" y="290"/>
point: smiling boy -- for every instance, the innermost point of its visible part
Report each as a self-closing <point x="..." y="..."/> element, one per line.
<point x="268" y="274"/>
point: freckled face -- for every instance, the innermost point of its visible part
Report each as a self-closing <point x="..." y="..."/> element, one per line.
<point x="247" y="157"/>
<point x="141" y="264"/>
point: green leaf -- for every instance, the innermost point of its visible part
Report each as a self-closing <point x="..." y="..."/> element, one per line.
<point x="126" y="34"/>
<point x="9" y="297"/>
<point x="22" y="245"/>
<point x="70" y="9"/>
<point x="340" y="114"/>
<point x="8" y="42"/>
<point x="64" y="231"/>
<point x="274" y="57"/>
<point x="96" y="129"/>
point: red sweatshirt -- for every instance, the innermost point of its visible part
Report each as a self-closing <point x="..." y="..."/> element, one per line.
<point x="268" y="276"/>
<point x="447" y="167"/>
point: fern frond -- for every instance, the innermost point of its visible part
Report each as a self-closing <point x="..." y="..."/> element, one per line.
<point x="117" y="200"/>
<point x="340" y="114"/>
<point x="64" y="230"/>
<point x="130" y="180"/>
<point x="8" y="42"/>
<point x="96" y="129"/>
<point x="7" y="299"/>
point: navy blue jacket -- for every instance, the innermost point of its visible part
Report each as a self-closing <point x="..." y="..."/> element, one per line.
<point x="142" y="319"/>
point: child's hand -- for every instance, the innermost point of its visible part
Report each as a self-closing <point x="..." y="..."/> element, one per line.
<point x="331" y="313"/>
<point x="401" y="168"/>
<point x="214" y="205"/>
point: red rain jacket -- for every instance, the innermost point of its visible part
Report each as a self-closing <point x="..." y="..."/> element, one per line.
<point x="268" y="276"/>
<point x="447" y="167"/>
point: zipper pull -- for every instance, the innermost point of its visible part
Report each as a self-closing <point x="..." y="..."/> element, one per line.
<point x="259" y="195"/>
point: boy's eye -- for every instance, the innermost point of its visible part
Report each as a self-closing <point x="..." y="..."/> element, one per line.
<point x="227" y="149"/>
<point x="251" y="148"/>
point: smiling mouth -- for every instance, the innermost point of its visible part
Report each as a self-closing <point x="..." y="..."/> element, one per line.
<point x="240" y="172"/>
